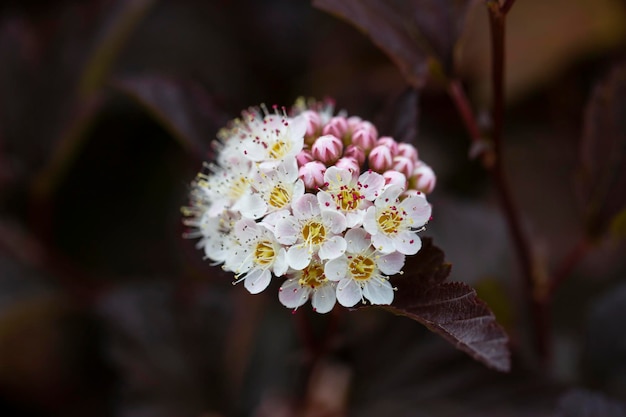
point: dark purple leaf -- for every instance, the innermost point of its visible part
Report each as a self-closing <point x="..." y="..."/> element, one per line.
<point x="184" y="108"/>
<point x="400" y="119"/>
<point x="452" y="310"/>
<point x="602" y="185"/>
<point x="415" y="34"/>
<point x="56" y="67"/>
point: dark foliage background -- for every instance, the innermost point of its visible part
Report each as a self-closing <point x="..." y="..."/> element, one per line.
<point x="107" y="109"/>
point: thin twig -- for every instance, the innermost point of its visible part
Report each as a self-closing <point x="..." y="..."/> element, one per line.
<point x="457" y="93"/>
<point x="537" y="310"/>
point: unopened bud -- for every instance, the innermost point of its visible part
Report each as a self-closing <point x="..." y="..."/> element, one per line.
<point x="355" y="152"/>
<point x="349" y="164"/>
<point x="312" y="174"/>
<point x="380" y="159"/>
<point x="313" y="125"/>
<point x="423" y="178"/>
<point x="327" y="149"/>
<point x="365" y="135"/>
<point x="303" y="157"/>
<point x="407" y="150"/>
<point x="336" y="126"/>
<point x="393" y="177"/>
<point x="390" y="143"/>
<point x="404" y="165"/>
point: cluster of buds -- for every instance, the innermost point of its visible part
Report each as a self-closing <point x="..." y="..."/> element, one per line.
<point x="318" y="199"/>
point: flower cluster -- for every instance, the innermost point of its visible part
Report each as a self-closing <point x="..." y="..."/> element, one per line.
<point x="316" y="198"/>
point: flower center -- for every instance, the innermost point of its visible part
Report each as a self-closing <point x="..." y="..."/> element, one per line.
<point x="361" y="268"/>
<point x="264" y="253"/>
<point x="279" y="197"/>
<point x="347" y="198"/>
<point x="314" y="233"/>
<point x="390" y="220"/>
<point x="313" y="275"/>
<point x="278" y="150"/>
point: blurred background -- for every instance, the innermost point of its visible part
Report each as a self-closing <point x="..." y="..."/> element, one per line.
<point x="107" y="110"/>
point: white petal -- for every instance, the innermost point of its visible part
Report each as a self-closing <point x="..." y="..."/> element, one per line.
<point x="391" y="264"/>
<point x="348" y="292"/>
<point x="389" y="196"/>
<point x="297" y="129"/>
<point x="354" y="218"/>
<point x="378" y="291"/>
<point x="298" y="189"/>
<point x="357" y="240"/>
<point x="334" y="220"/>
<point x="336" y="177"/>
<point x="247" y="230"/>
<point x="292" y="294"/>
<point x="407" y="242"/>
<point x="253" y="150"/>
<point x="305" y="207"/>
<point x="418" y="210"/>
<point x="257" y="280"/>
<point x="326" y="201"/>
<point x="336" y="269"/>
<point x="270" y="221"/>
<point x="372" y="184"/>
<point x="383" y="243"/>
<point x="251" y="206"/>
<point x="299" y="257"/>
<point x="323" y="299"/>
<point x="280" y="263"/>
<point x="332" y="248"/>
<point x="240" y="259"/>
<point x="289" y="170"/>
<point x="286" y="231"/>
<point x="369" y="221"/>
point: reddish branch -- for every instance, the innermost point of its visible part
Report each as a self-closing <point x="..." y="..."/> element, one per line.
<point x="537" y="310"/>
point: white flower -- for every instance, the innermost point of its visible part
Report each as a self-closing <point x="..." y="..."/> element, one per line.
<point x="348" y="195"/>
<point x="311" y="231"/>
<point x="272" y="139"/>
<point x="360" y="271"/>
<point x="272" y="191"/>
<point x="218" y="239"/>
<point x="393" y="223"/>
<point x="227" y="185"/>
<point x="309" y="283"/>
<point x="257" y="256"/>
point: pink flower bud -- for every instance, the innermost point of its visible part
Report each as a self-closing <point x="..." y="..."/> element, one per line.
<point x="313" y="125"/>
<point x="349" y="164"/>
<point x="355" y="152"/>
<point x="327" y="149"/>
<point x="365" y="136"/>
<point x="312" y="174"/>
<point x="380" y="159"/>
<point x="303" y="157"/>
<point x="395" y="178"/>
<point x="336" y="126"/>
<point x="407" y="150"/>
<point x="423" y="178"/>
<point x="404" y="165"/>
<point x="353" y="122"/>
<point x="390" y="143"/>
